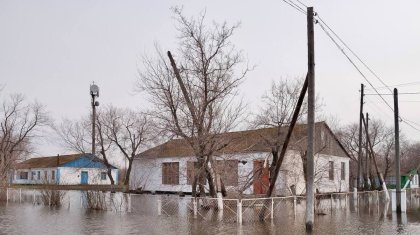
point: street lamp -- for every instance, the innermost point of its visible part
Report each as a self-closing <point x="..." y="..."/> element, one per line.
<point x="94" y="93"/>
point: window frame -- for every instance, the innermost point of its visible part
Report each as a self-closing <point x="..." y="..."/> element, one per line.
<point x="343" y="170"/>
<point x="170" y="173"/>
<point x="331" y="170"/>
<point x="104" y="175"/>
<point x="23" y="173"/>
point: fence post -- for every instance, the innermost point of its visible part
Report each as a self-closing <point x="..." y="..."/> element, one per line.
<point x="354" y="193"/>
<point x="33" y="196"/>
<point x="239" y="212"/>
<point x="195" y="207"/>
<point x="294" y="205"/>
<point x="331" y="202"/>
<point x="49" y="198"/>
<point x="159" y="204"/>
<point x="20" y="195"/>
<point x="345" y="200"/>
<point x="272" y="208"/>
<point x="129" y="202"/>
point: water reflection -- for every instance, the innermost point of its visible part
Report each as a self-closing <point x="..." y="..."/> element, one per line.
<point x="137" y="214"/>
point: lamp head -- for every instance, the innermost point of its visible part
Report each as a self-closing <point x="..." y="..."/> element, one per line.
<point x="94" y="90"/>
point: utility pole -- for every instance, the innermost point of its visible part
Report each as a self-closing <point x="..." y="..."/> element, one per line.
<point x="367" y="162"/>
<point x="94" y="93"/>
<point x="397" y="150"/>
<point x="359" y="159"/>
<point x="311" y="122"/>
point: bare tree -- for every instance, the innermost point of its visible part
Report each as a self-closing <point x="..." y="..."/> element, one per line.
<point x="21" y="122"/>
<point x="76" y="135"/>
<point x="276" y="112"/>
<point x="194" y="99"/>
<point x="129" y="131"/>
<point x="381" y="137"/>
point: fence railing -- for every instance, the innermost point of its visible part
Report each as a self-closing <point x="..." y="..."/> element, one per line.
<point x="246" y="210"/>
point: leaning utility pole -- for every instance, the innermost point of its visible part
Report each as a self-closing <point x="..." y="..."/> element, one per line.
<point x="311" y="122"/>
<point x="397" y="150"/>
<point x="367" y="163"/>
<point x="380" y="176"/>
<point x="359" y="159"/>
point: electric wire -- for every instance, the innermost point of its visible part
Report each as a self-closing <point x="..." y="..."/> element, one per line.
<point x="322" y="23"/>
<point x="354" y="54"/>
<point x="290" y="3"/>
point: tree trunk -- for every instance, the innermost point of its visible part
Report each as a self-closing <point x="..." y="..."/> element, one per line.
<point x="109" y="172"/>
<point x="127" y="174"/>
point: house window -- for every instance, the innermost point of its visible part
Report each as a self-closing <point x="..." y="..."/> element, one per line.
<point x="170" y="173"/>
<point x="33" y="173"/>
<point x="343" y="171"/>
<point x="103" y="175"/>
<point x="23" y="175"/>
<point x="45" y="175"/>
<point x="228" y="171"/>
<point x="191" y="172"/>
<point x="52" y="175"/>
<point x="331" y="170"/>
<point x="39" y="175"/>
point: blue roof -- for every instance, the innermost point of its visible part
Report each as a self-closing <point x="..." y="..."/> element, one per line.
<point x="86" y="161"/>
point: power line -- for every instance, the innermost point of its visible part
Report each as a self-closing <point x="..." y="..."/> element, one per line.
<point x="294" y="5"/>
<point x="354" y="54"/>
<point x="403" y="93"/>
<point x="321" y="24"/>
<point x="354" y="65"/>
<point x="301" y="3"/>
<point x="399" y="85"/>
<point x="298" y="8"/>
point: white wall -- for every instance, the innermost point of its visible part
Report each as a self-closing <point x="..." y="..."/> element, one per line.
<point x="72" y="176"/>
<point x="35" y="179"/>
<point x="147" y="173"/>
<point x="68" y="175"/>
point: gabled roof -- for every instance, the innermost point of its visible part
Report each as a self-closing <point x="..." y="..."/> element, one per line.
<point x="57" y="161"/>
<point x="242" y="142"/>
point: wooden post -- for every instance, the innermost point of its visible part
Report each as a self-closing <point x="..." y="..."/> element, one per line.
<point x="273" y="178"/>
<point x="381" y="178"/>
<point x="397" y="151"/>
<point x="239" y="212"/>
<point x="309" y="216"/>
<point x="359" y="159"/>
<point x="366" y="171"/>
<point x="159" y="205"/>
<point x="195" y="207"/>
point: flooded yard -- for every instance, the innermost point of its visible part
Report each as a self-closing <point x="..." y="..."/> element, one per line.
<point x="139" y="214"/>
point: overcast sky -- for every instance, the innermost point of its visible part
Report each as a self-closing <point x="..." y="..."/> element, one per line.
<point x="51" y="51"/>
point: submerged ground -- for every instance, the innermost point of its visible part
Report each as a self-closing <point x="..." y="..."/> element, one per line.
<point x="72" y="218"/>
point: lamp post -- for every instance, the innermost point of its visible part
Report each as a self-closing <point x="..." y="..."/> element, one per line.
<point x="94" y="93"/>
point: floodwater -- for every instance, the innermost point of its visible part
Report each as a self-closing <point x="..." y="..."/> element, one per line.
<point x="72" y="217"/>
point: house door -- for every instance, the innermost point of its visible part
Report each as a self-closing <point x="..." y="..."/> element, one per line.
<point x="261" y="177"/>
<point x="84" y="177"/>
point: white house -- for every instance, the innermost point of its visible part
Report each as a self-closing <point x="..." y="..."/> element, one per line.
<point x="243" y="163"/>
<point x="64" y="170"/>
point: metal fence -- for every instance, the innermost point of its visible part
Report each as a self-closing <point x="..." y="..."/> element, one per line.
<point x="215" y="210"/>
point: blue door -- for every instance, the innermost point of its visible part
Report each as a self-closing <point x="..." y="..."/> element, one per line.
<point x="84" y="177"/>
